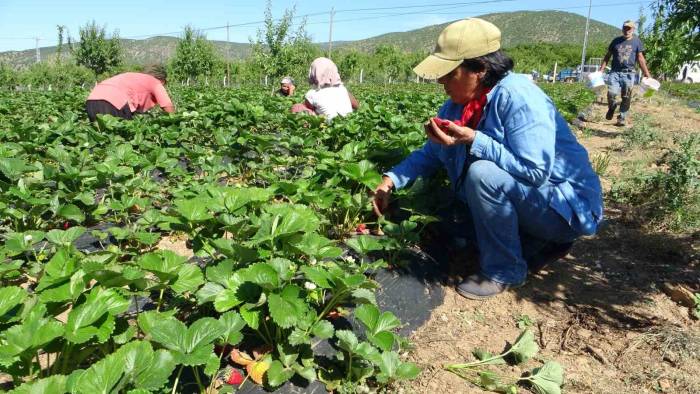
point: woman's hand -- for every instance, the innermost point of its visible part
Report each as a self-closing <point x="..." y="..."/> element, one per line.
<point x="455" y="135"/>
<point x="381" y="196"/>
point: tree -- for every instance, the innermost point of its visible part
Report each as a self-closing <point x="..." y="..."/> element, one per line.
<point x="195" y="56"/>
<point x="673" y="37"/>
<point x="278" y="51"/>
<point x="348" y="63"/>
<point x="97" y="52"/>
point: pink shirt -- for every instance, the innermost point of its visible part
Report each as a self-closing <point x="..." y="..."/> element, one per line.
<point x="141" y="91"/>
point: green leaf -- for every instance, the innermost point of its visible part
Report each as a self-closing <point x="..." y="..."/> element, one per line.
<point x="299" y="337"/>
<point x="208" y="293"/>
<point x="262" y="274"/>
<point x="163" y="263"/>
<point x="278" y="374"/>
<point x="388" y="363"/>
<point x="315" y="245"/>
<point x="364" y="295"/>
<point x="103" y="376"/>
<point x="71" y="212"/>
<point x="194" y="210"/>
<point x="125" y="336"/>
<point x="407" y="371"/>
<point x="190" y="346"/>
<point x="524" y="347"/>
<point x="147" y="320"/>
<point x="318" y="275"/>
<point x="55" y="384"/>
<point x="368" y="315"/>
<point x="65" y="238"/>
<point x="374" y="322"/>
<point x="308" y="373"/>
<point x="363" y="244"/>
<point x="383" y="340"/>
<point x="252" y="317"/>
<point x="233" y="323"/>
<point x="287" y="308"/>
<point x="346" y="340"/>
<point x="144" y="368"/>
<point x="10" y="297"/>
<point x="189" y="278"/>
<point x="95" y="317"/>
<point x="283" y="267"/>
<point x="13" y="168"/>
<point x="221" y="272"/>
<point x="323" y="329"/>
<point x="547" y="379"/>
<point x="227" y="299"/>
<point x="34" y="332"/>
<point x="362" y="172"/>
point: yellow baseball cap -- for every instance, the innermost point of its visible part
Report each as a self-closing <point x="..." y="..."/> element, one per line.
<point x="464" y="39"/>
<point x="629" y="23"/>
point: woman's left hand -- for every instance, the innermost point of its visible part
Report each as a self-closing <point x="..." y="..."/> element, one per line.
<point x="455" y="135"/>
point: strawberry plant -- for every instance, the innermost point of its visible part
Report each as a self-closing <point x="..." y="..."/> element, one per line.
<point x="267" y="202"/>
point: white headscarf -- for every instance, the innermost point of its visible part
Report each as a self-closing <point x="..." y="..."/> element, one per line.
<point x="324" y="73"/>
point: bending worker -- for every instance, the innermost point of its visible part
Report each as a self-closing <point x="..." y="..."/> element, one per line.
<point x="125" y="94"/>
<point x="528" y="185"/>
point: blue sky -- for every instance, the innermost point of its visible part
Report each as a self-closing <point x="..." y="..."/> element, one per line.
<point x="20" y="20"/>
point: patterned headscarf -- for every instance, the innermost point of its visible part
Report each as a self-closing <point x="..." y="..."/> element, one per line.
<point x="324" y="73"/>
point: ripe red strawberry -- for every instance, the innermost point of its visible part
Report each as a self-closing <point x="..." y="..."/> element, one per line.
<point x="66" y="225"/>
<point x="362" y="229"/>
<point x="444" y="124"/>
<point x="235" y="378"/>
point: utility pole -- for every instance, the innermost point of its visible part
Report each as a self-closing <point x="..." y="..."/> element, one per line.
<point x="585" y="41"/>
<point x="330" y="33"/>
<point x="38" y="52"/>
<point x="228" y="60"/>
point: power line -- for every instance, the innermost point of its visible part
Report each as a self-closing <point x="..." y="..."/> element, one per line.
<point x="326" y="13"/>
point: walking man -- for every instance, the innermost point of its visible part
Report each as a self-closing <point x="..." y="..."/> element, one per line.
<point x="626" y="51"/>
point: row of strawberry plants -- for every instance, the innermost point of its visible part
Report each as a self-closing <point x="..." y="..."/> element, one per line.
<point x="263" y="197"/>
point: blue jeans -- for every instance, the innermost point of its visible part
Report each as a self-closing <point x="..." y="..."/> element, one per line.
<point x="620" y="83"/>
<point x="506" y="215"/>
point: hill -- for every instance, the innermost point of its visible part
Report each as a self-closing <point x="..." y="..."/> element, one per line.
<point x="521" y="27"/>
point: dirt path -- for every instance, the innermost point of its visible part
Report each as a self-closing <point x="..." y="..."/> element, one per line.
<point x="600" y="312"/>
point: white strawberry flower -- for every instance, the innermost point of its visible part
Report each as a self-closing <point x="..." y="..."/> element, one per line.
<point x="312" y="261"/>
<point x="309" y="286"/>
<point x="27" y="238"/>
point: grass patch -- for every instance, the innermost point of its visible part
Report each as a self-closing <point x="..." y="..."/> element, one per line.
<point x="570" y="98"/>
<point x="600" y="162"/>
<point x="670" y="196"/>
<point x="685" y="91"/>
<point x="642" y="133"/>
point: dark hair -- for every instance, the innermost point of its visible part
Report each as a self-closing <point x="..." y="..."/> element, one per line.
<point x="497" y="64"/>
<point x="157" y="70"/>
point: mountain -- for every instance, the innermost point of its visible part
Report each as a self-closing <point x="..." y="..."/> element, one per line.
<point x="520" y="27"/>
<point x="150" y="50"/>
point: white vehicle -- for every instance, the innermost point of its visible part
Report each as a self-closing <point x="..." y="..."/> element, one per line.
<point x="689" y="72"/>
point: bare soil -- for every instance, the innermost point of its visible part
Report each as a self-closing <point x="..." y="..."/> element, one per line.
<point x="600" y="311"/>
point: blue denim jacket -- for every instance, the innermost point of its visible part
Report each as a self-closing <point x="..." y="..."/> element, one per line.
<point x="524" y="134"/>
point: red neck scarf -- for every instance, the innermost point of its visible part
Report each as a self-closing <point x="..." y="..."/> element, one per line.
<point x="471" y="114"/>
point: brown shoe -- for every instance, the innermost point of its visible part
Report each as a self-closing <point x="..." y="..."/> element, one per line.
<point x="479" y="287"/>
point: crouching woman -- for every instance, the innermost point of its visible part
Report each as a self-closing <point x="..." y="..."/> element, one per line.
<point x="527" y="183"/>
